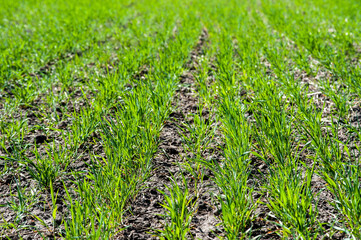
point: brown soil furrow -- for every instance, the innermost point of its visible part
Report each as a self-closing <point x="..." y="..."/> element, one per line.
<point x="146" y="209"/>
<point x="206" y="217"/>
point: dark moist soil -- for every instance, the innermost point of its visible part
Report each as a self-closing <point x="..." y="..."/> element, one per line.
<point x="145" y="217"/>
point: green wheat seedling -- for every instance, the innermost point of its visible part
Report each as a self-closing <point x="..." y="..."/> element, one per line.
<point x="339" y="97"/>
<point x="87" y="219"/>
<point x="232" y="174"/>
<point x="329" y="149"/>
<point x="293" y="202"/>
<point x="180" y="207"/>
<point x="274" y="132"/>
<point x="114" y="186"/>
<point x="54" y="207"/>
<point x="14" y="129"/>
<point x="27" y="93"/>
<point x="200" y="133"/>
<point x="196" y="138"/>
<point x="48" y="168"/>
<point x="84" y="124"/>
<point x="202" y="78"/>
<point x="12" y="136"/>
<point x="345" y="186"/>
<point x="6" y="169"/>
<point x="237" y="205"/>
<point x="231" y="177"/>
<point x="20" y="203"/>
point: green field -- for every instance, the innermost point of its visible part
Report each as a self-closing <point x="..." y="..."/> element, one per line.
<point x="172" y="119"/>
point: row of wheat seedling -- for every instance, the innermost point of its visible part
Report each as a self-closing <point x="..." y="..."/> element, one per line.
<point x="130" y="139"/>
<point x="128" y="135"/>
<point x="291" y="198"/>
<point x="339" y="166"/>
<point x="258" y="60"/>
<point x="330" y="153"/>
<point x="230" y="175"/>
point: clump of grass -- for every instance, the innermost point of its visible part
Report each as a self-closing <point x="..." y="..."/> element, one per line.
<point x="293" y="202"/>
<point x="236" y="203"/>
<point x="48" y="168"/>
<point x="180" y="207"/>
<point x="21" y="202"/>
<point x="344" y="184"/>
